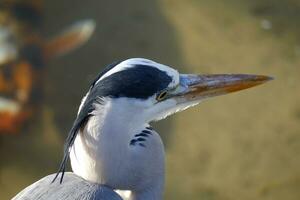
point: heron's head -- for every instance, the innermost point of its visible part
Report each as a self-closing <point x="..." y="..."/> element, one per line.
<point x="152" y="91"/>
<point x="138" y="91"/>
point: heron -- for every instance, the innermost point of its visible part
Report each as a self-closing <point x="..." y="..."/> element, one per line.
<point x="114" y="152"/>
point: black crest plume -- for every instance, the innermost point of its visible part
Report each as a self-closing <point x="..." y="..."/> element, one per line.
<point x="79" y="122"/>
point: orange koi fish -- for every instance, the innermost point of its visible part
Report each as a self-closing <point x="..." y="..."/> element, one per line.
<point x="23" y="55"/>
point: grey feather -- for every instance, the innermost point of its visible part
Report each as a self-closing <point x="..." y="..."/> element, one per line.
<point x="72" y="188"/>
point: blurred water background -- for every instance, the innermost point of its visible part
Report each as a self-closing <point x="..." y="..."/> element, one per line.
<point x="241" y="146"/>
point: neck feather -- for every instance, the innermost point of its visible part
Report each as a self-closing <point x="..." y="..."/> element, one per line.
<point x="102" y="152"/>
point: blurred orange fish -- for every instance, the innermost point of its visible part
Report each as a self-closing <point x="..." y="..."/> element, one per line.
<point x="23" y="54"/>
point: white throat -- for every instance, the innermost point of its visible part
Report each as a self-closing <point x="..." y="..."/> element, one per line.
<point x="110" y="151"/>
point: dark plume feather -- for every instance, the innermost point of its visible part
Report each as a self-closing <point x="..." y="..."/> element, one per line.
<point x="80" y="122"/>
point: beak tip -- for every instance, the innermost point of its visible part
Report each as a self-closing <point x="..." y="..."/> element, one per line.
<point x="270" y="78"/>
<point x="264" y="78"/>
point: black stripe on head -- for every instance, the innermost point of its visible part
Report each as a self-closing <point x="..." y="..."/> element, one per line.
<point x="105" y="70"/>
<point x="140" y="81"/>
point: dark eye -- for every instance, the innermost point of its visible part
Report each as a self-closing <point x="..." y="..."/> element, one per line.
<point x="161" y="95"/>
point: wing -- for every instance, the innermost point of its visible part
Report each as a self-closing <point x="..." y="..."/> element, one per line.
<point x="73" y="188"/>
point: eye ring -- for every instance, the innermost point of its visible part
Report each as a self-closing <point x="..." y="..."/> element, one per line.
<point x="161" y="96"/>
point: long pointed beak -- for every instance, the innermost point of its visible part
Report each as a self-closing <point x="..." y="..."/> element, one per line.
<point x="196" y="87"/>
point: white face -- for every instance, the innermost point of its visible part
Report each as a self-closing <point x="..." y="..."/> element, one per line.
<point x="156" y="108"/>
<point x="167" y="102"/>
<point x="161" y="104"/>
